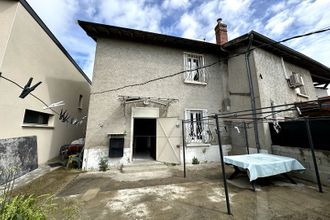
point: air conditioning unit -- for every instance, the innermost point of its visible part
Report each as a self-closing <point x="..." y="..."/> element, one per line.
<point x="296" y="80"/>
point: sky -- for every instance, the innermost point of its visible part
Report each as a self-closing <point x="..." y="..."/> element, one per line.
<point x="193" y="19"/>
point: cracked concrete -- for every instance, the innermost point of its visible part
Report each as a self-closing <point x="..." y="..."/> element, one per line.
<point x="167" y="195"/>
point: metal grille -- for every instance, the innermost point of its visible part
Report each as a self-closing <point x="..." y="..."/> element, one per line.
<point x="193" y="61"/>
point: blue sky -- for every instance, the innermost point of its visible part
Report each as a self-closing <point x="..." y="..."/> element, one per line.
<point x="194" y="19"/>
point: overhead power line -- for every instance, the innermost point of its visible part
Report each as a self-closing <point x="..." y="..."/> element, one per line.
<point x="155" y="79"/>
<point x="211" y="64"/>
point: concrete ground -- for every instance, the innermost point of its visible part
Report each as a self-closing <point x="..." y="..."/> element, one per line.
<point x="157" y="191"/>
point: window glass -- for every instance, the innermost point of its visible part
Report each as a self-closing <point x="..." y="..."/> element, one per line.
<point x="192" y="63"/>
<point x="196" y="125"/>
<point x="34" y="117"/>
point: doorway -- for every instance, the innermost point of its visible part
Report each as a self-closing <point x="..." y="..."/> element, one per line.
<point x="144" y="139"/>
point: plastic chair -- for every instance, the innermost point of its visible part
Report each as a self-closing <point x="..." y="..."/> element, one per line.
<point x="78" y="158"/>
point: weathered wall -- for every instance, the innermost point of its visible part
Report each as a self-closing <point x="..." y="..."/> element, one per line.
<point x="305" y="157"/>
<point x="18" y="155"/>
<point x="269" y="85"/>
<point x="274" y="87"/>
<point x="121" y="63"/>
<point x="205" y="154"/>
<point x="30" y="52"/>
<point x="240" y="99"/>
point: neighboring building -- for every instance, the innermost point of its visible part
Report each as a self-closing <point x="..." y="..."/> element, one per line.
<point x="127" y="117"/>
<point x="272" y="67"/>
<point x="29" y="49"/>
<point x="321" y="92"/>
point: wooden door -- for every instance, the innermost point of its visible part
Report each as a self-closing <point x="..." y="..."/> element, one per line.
<point x="168" y="140"/>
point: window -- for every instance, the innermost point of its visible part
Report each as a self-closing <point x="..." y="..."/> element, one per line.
<point x="80" y="102"/>
<point x="196" y="127"/>
<point x="191" y="62"/>
<point x="301" y="90"/>
<point x="34" y="117"/>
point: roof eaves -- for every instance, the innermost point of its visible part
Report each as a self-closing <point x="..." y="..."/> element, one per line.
<point x="96" y="30"/>
<point x="271" y="45"/>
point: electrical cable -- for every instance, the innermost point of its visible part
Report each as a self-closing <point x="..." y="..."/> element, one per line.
<point x="212" y="64"/>
<point x="36" y="97"/>
<point x="174" y="74"/>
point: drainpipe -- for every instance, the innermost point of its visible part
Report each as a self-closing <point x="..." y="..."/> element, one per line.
<point x="253" y="100"/>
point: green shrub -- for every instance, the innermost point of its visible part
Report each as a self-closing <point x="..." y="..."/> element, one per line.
<point x="195" y="161"/>
<point x="103" y="164"/>
<point x="25" y="207"/>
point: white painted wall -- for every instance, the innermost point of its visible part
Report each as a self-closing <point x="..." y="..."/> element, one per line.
<point x="30" y="52"/>
<point x="212" y="153"/>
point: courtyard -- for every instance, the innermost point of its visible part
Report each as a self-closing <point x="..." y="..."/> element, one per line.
<point x="159" y="191"/>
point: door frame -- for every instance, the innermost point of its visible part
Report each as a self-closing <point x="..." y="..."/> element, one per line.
<point x="142" y="113"/>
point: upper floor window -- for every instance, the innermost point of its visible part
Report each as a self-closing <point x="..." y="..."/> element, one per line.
<point x="193" y="64"/>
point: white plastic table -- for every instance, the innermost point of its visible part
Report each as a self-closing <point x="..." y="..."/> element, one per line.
<point x="262" y="165"/>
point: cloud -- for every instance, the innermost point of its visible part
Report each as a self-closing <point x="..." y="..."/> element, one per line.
<point x="175" y="4"/>
<point x="279" y="23"/>
<point x="193" y="19"/>
<point x="189" y="26"/>
<point x="277" y="7"/>
<point x="299" y="17"/>
<point x="133" y="14"/>
<point x="63" y="10"/>
<point x="199" y="22"/>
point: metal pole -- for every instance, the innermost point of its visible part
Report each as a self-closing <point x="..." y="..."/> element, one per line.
<point x="183" y="151"/>
<point x="253" y="100"/>
<point x="311" y="145"/>
<point x="246" y="138"/>
<point x="223" y="166"/>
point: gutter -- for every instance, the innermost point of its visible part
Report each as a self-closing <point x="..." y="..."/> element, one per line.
<point x="251" y="89"/>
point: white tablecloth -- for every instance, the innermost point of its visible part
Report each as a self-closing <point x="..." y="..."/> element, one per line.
<point x="263" y="165"/>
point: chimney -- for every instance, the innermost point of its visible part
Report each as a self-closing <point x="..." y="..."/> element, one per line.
<point x="221" y="32"/>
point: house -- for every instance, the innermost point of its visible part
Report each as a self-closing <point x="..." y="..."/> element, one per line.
<point x="29" y="49"/>
<point x="273" y="69"/>
<point x="133" y="116"/>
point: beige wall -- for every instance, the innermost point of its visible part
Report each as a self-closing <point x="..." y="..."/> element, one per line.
<point x="30" y="52"/>
<point x="273" y="86"/>
<point x="121" y="63"/>
<point x="240" y="99"/>
<point x="7" y="15"/>
<point x="269" y="85"/>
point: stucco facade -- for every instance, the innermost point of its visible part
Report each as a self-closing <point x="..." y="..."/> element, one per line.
<point x="270" y="88"/>
<point x="129" y="57"/>
<point x="120" y="63"/>
<point x="27" y="50"/>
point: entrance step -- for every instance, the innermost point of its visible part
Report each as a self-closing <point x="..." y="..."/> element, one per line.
<point x="136" y="167"/>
